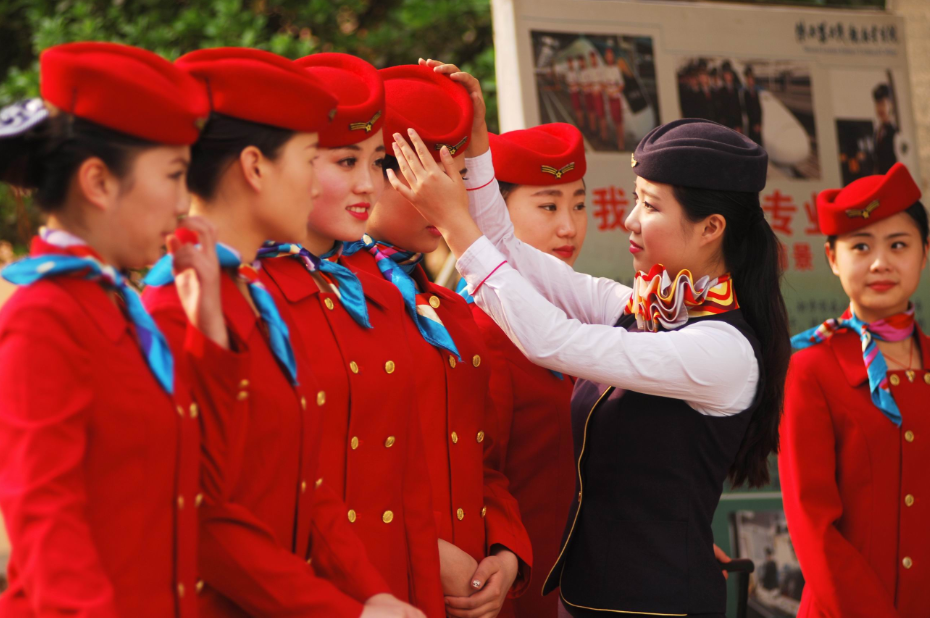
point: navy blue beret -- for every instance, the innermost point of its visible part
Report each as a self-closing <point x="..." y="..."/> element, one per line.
<point x="702" y="154"/>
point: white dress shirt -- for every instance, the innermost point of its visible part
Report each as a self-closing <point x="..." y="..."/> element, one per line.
<point x="564" y="320"/>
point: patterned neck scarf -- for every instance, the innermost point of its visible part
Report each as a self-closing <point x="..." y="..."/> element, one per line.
<point x="462" y="290"/>
<point x="58" y="253"/>
<point x="279" y="337"/>
<point x="895" y="328"/>
<point x="396" y="266"/>
<point x="658" y="301"/>
<point x="345" y="284"/>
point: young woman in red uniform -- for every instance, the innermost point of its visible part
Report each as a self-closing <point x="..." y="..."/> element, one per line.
<point x="99" y="442"/>
<point x="352" y="326"/>
<point x="483" y="545"/>
<point x="274" y="540"/>
<point x="856" y="433"/>
<point x="541" y="176"/>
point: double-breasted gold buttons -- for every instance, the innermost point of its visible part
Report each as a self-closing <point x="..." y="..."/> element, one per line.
<point x="455" y="438"/>
<point x="388" y="517"/>
<point x="321" y="398"/>
<point x="198" y="587"/>
<point x="180" y="411"/>
<point x="329" y="304"/>
<point x="389" y="442"/>
<point x="452" y="362"/>
<point x="194" y="410"/>
<point x="243" y="395"/>
<point x="352" y="516"/>
<point x="303" y="487"/>
<point x="484" y="511"/>
<point x="907" y="562"/>
<point x="927" y="377"/>
<point x="460" y="514"/>
<point x="181" y="591"/>
<point x="895" y="380"/>
<point x="434" y="302"/>
<point x="480" y="437"/>
<point x="909" y="435"/>
<point x="303" y="403"/>
<point x="476" y="360"/>
<point x="318" y="483"/>
<point x="354" y="442"/>
<point x="180" y="503"/>
<point x="390" y="366"/>
<point x="198" y="500"/>
<point x="243" y="383"/>
<point x="353" y="366"/>
<point x="909" y="499"/>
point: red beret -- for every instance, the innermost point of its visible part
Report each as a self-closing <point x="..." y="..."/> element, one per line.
<point x="550" y="154"/>
<point x="866" y="201"/>
<point x="126" y="89"/>
<point x="258" y="86"/>
<point x="360" y="93"/>
<point x="439" y="109"/>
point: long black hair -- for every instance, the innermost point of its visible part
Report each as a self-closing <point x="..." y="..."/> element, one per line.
<point x="753" y="255"/>
<point x="44" y="159"/>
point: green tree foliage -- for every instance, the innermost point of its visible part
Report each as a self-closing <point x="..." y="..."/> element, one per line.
<point x="384" y="32"/>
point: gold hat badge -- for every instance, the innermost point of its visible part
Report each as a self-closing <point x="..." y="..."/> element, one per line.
<point x="548" y="169"/>
<point x="452" y="149"/>
<point x="633" y="161"/>
<point x="367" y="126"/>
<point x="865" y="213"/>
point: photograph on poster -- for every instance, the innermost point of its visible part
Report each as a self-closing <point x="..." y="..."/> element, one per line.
<point x="870" y="138"/>
<point x="603" y="84"/>
<point x="771" y="101"/>
<point x="762" y="536"/>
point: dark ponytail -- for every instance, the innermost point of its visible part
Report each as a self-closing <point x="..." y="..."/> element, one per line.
<point x="43" y="159"/>
<point x="753" y="254"/>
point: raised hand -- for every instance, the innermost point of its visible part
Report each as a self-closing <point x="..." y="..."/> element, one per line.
<point x="478" y="144"/>
<point x="197" y="277"/>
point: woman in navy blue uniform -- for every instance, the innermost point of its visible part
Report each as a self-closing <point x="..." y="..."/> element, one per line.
<point x="681" y="377"/>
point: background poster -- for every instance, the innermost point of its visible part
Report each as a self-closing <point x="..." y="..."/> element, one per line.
<point x="809" y="101"/>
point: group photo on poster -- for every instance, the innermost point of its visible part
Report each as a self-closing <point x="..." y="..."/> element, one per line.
<point x="603" y="84"/>
<point x="769" y="101"/>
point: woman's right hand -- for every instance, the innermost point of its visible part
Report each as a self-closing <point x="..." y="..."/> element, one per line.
<point x="455" y="570"/>
<point x="197" y="279"/>
<point x="387" y="606"/>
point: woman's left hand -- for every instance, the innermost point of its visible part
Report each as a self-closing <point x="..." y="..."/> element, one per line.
<point x="437" y="192"/>
<point x="722" y="557"/>
<point x="493" y="580"/>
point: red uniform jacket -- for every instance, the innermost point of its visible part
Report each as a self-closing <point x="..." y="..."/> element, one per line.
<point x="856" y="487"/>
<point x="537" y="456"/>
<point x="98" y="464"/>
<point x="474" y="509"/>
<point x="372" y="449"/>
<point x="265" y="518"/>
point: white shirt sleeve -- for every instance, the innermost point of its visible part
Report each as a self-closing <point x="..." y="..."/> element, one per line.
<point x="564" y="321"/>
<point x="593" y="300"/>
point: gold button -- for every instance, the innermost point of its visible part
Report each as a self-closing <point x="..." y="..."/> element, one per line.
<point x="389" y="366"/>
<point x="181" y="411"/>
<point x="909" y="435"/>
<point x="198" y="587"/>
<point x="352" y="516"/>
<point x="303" y="403"/>
<point x="194" y="410"/>
<point x="198" y="500"/>
<point x="452" y="362"/>
<point x="927" y="377"/>
<point x="244" y="384"/>
<point x="455" y="438"/>
<point x="389" y="442"/>
<point x="329" y="304"/>
<point x="181" y="590"/>
<point x="353" y="366"/>
<point x="460" y="514"/>
<point x="476" y="360"/>
<point x="180" y="502"/>
<point x="434" y="302"/>
<point x="480" y="437"/>
<point x="303" y="486"/>
<point x="484" y="511"/>
<point x="309" y="560"/>
<point x="907" y="562"/>
<point x="243" y="395"/>
<point x="354" y="442"/>
<point x="895" y="380"/>
<point x="909" y="499"/>
<point x="321" y="398"/>
<point x="318" y="482"/>
<point x="388" y="517"/>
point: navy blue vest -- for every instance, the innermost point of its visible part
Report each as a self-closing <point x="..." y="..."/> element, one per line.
<point x="651" y="470"/>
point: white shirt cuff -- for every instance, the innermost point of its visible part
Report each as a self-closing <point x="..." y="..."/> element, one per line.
<point x="480" y="171"/>
<point x="478" y="262"/>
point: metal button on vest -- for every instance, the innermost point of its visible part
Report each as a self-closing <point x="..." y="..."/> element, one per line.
<point x="909" y="435"/>
<point x="352" y="516"/>
<point x="460" y="514"/>
<point x="388" y="517"/>
<point x="198" y="587"/>
<point x="181" y="411"/>
<point x="484" y="511"/>
<point x="389" y="366"/>
<point x="907" y="562"/>
<point x="181" y="590"/>
<point x="476" y="360"/>
<point x="354" y="442"/>
<point x="194" y="410"/>
<point x="434" y="302"/>
<point x="452" y="362"/>
<point x="353" y="366"/>
<point x="895" y="380"/>
<point x="244" y="384"/>
<point x="321" y="398"/>
<point x="455" y="438"/>
<point x="909" y="499"/>
<point x="480" y="437"/>
<point x="198" y="500"/>
<point x="329" y="304"/>
<point x="243" y="395"/>
<point x="303" y="487"/>
<point x="389" y="442"/>
<point x="180" y="503"/>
